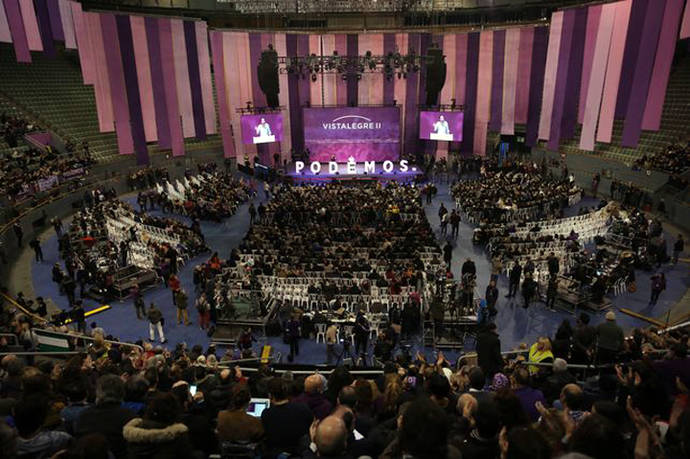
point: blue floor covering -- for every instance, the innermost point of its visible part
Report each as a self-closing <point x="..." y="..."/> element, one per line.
<point x="515" y="324"/>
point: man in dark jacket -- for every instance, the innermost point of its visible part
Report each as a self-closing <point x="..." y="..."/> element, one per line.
<point x="488" y="349"/>
<point x="491" y="297"/>
<point x="514" y="280"/>
<point x="314" y="398"/>
<point x="107" y="417"/>
<point x="610" y="339"/>
<point x="553" y="264"/>
<point x="584" y="337"/>
<point x="155" y="317"/>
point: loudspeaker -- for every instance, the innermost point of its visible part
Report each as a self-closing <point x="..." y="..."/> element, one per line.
<point x="267" y="72"/>
<point x="435" y="75"/>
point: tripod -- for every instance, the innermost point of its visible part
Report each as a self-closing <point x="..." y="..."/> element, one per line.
<point x="346" y="352"/>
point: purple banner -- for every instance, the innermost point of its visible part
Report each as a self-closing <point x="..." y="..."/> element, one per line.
<point x="444" y="126"/>
<point x="264" y="128"/>
<point x="365" y="134"/>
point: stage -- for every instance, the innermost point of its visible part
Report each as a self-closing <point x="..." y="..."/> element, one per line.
<point x="320" y="172"/>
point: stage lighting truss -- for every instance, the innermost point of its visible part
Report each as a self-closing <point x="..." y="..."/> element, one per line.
<point x="391" y="65"/>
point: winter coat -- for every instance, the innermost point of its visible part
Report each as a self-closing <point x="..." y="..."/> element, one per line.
<point x="151" y="440"/>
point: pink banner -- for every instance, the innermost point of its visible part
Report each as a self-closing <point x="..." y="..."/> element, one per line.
<point x="315" y="87"/>
<point x="5" y="34"/>
<point x="662" y="65"/>
<point x="329" y="79"/>
<point x="143" y="63"/>
<point x="460" y="67"/>
<point x="685" y="26"/>
<point x="170" y="86"/>
<point x="341" y="85"/>
<point x="486" y="48"/>
<point x="104" y="104"/>
<point x="375" y="79"/>
<point x="448" y="90"/>
<point x="33" y="36"/>
<point x="510" y="73"/>
<point x="593" y="19"/>
<point x="244" y="60"/>
<point x="524" y="72"/>
<point x="400" y="84"/>
<point x="67" y="20"/>
<point x="284" y="99"/>
<point x="596" y="83"/>
<point x="81" y="32"/>
<point x="232" y="85"/>
<point x="219" y="75"/>
<point x="184" y="90"/>
<point x="613" y="71"/>
<point x="550" y="72"/>
<point x="118" y="91"/>
<point x="205" y="74"/>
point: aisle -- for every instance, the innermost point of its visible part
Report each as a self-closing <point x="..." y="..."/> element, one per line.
<point x="515" y="324"/>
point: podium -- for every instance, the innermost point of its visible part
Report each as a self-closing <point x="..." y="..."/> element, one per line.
<point x="265" y="139"/>
<point x="439" y="136"/>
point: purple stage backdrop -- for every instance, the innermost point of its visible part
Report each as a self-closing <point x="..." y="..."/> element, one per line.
<point x="366" y="134"/>
<point x="432" y="127"/>
<point x="263" y="128"/>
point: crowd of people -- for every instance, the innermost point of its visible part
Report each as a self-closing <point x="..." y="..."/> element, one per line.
<point x="674" y="159"/>
<point x="209" y="196"/>
<point x="513" y="193"/>
<point x="23" y="168"/>
<point x="123" y="401"/>
<point x="102" y="236"/>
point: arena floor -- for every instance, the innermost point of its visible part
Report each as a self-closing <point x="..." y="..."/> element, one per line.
<point x="515" y="324"/>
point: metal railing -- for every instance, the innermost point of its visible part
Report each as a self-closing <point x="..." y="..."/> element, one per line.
<point x="86" y="338"/>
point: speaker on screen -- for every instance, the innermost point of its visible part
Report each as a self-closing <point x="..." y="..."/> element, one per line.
<point x="435" y="75"/>
<point x="267" y="72"/>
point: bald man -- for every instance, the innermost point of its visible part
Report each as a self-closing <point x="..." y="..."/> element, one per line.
<point x="313" y="397"/>
<point x="331" y="437"/>
<point x="573" y="399"/>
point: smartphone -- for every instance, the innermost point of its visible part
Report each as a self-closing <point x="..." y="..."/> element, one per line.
<point x="412" y="381"/>
<point x="192" y="390"/>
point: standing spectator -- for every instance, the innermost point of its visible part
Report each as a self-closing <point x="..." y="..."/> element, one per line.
<point x="491" y="296"/>
<point x="448" y="254"/>
<point x="610" y="339"/>
<point x="455" y="223"/>
<point x="441" y="212"/>
<point x="584" y="338"/>
<point x="527" y="395"/>
<point x="553" y="264"/>
<point x="175" y="285"/>
<point x="658" y="286"/>
<point x="678" y="248"/>
<point x="444" y="223"/>
<point x="514" y="279"/>
<point x="293" y="333"/>
<point x="252" y="213"/>
<point x="529" y="289"/>
<point x="57" y="225"/>
<point x="36" y="245"/>
<point x="78" y="316"/>
<point x="551" y="293"/>
<point x="69" y="286"/>
<point x="155" y="317"/>
<point x="361" y="334"/>
<point x="18" y="233"/>
<point x="204" y="311"/>
<point x="595" y="184"/>
<point x="181" y="305"/>
<point x="488" y="350"/>
<point x="331" y="338"/>
<point x="139" y="305"/>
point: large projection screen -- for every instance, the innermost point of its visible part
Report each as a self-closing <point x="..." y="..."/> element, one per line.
<point x="441" y="126"/>
<point x="362" y="133"/>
